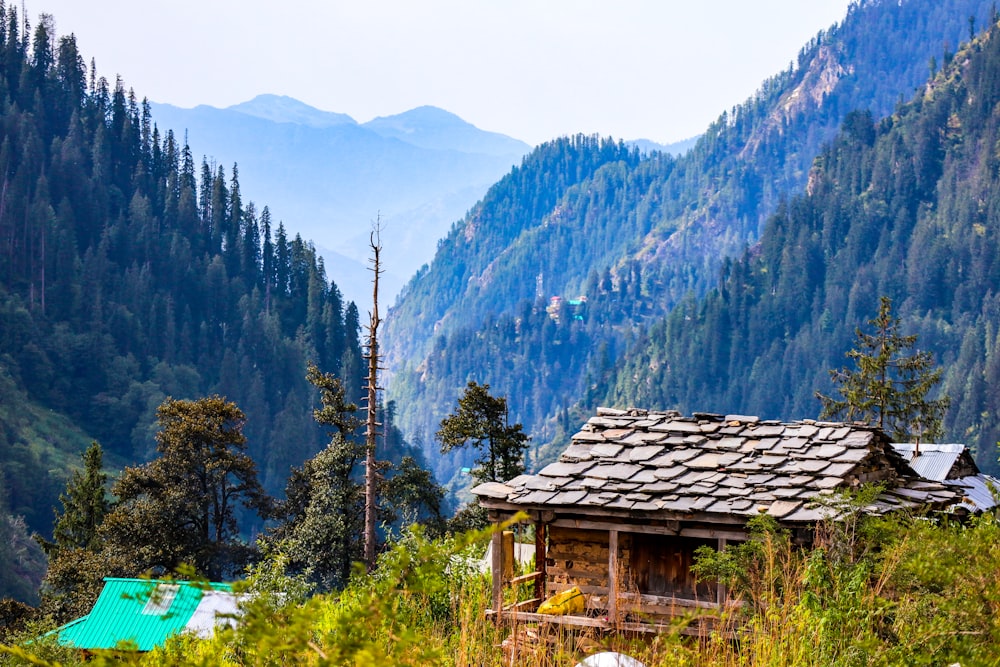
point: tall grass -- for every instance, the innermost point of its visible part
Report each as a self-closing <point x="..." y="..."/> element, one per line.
<point x="900" y="591"/>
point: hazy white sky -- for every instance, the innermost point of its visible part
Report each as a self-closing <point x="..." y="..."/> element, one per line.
<point x="533" y="69"/>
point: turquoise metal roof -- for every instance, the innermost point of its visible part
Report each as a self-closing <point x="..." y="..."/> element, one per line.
<point x="141" y="612"/>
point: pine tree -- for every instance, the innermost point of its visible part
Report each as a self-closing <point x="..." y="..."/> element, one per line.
<point x="889" y="387"/>
<point x="84" y="504"/>
<point x="481" y="420"/>
<point x="321" y="525"/>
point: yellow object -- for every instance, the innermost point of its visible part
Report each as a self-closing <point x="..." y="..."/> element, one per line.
<point x="570" y="601"/>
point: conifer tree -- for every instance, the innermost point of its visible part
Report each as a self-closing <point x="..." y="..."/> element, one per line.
<point x="322" y="518"/>
<point x="481" y="420"/>
<point x="889" y="387"/>
<point x="84" y="504"/>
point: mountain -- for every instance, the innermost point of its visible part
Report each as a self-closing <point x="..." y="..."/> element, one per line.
<point x="284" y="109"/>
<point x="130" y="273"/>
<point x="907" y="207"/>
<point x="548" y="281"/>
<point x="436" y="129"/>
<point x="676" y="148"/>
<point x="330" y="177"/>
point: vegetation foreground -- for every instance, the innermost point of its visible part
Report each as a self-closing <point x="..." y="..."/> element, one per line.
<point x="873" y="591"/>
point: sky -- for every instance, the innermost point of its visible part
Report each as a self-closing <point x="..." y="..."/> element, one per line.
<point x="532" y="69"/>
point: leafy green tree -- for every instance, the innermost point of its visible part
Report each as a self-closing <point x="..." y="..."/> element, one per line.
<point x="182" y="506"/>
<point x="480" y="420"/>
<point x="412" y="495"/>
<point x="889" y="387"/>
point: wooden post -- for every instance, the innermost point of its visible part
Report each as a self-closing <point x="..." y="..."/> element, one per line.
<point x="509" y="555"/>
<point x="613" y="576"/>
<point x="497" y="566"/>
<point x="540" y="533"/>
<point x="720" y="591"/>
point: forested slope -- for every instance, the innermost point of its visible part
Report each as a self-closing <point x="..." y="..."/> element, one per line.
<point x="129" y="272"/>
<point x="908" y="207"/>
<point x="635" y="236"/>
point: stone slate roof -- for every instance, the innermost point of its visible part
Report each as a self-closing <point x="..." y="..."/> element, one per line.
<point x="664" y="465"/>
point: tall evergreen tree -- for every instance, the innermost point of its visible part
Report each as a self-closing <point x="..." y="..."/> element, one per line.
<point x="889" y="386"/>
<point x="321" y="525"/>
<point x="481" y="420"/>
<point x="84" y="505"/>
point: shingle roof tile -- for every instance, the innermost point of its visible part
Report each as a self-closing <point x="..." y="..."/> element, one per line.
<point x="667" y="464"/>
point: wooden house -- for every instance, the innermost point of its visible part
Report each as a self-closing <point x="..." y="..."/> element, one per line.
<point x="622" y="511"/>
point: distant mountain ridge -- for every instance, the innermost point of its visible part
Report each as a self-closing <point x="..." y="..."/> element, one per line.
<point x="284" y="109"/>
<point x="328" y="177"/>
<point x="636" y="237"/>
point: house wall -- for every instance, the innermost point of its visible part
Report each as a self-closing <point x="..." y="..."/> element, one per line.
<point x="579" y="558"/>
<point x="653" y="570"/>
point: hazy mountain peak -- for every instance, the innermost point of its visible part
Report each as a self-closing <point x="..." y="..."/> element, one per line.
<point x="416" y="118"/>
<point x="284" y="109"/>
<point x="431" y="127"/>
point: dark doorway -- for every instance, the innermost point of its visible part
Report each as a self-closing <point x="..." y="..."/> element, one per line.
<point x="661" y="565"/>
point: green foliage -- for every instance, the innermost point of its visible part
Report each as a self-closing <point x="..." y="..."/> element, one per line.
<point x="319" y="534"/>
<point x="903" y="591"/>
<point x="480" y="420"/>
<point x="182" y="506"/>
<point x="84" y="505"/>
<point x="889" y="388"/>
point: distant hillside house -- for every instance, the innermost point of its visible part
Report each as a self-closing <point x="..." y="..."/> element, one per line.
<point x="621" y="512"/>
<point x="953" y="465"/>
<point x="140" y="614"/>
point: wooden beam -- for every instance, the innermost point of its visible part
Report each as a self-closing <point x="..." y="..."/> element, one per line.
<point x="665" y="602"/>
<point x="587" y="524"/>
<point x="624" y="515"/>
<point x="713" y="533"/>
<point x="531" y="576"/>
<point x="587" y="622"/>
<point x="613" y="576"/>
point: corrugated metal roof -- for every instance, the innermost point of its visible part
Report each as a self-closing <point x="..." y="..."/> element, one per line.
<point x="931" y="461"/>
<point x="216" y="608"/>
<point x="977" y="494"/>
<point x="143" y="612"/>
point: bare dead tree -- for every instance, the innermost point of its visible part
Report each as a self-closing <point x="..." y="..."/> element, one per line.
<point x="371" y="432"/>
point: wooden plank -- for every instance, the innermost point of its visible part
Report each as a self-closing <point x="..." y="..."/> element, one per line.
<point x="572" y="533"/>
<point x="531" y="605"/>
<point x="664" y="602"/>
<point x="613" y="575"/>
<point x="532" y="576"/>
<point x="588" y="622"/>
